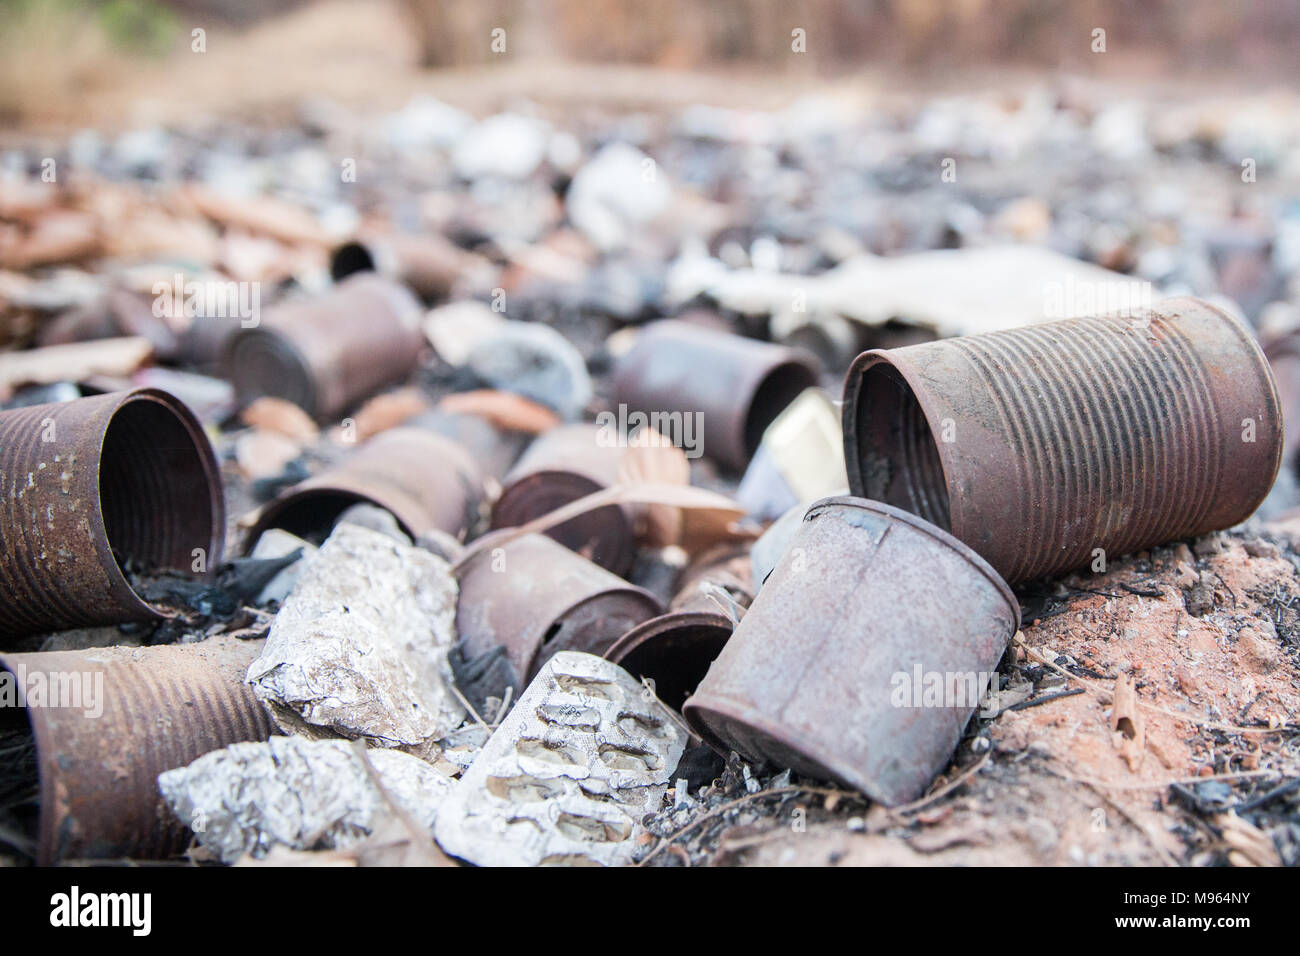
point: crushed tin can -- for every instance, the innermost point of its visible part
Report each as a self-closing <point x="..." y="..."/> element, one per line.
<point x="535" y="597"/>
<point x="329" y="352"/>
<point x="426" y="481"/>
<point x="828" y="671"/>
<point x="107" y="722"/>
<point x="1047" y="447"/>
<point x="732" y="386"/>
<point x="93" y="483"/>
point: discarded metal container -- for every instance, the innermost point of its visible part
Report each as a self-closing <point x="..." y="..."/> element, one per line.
<point x="828" y="671"/>
<point x="675" y="649"/>
<point x="91" y="483"/>
<point x="1283" y="354"/>
<point x="737" y="385"/>
<point x="325" y="354"/>
<point x="427" y="482"/>
<point x="561" y="466"/>
<point x="1045" y="447"/>
<point x="106" y="722"/>
<point x="535" y="597"/>
<point x="429" y="264"/>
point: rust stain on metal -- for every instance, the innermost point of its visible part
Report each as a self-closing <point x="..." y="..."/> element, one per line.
<point x="535" y="597"/>
<point x="428" y="483"/>
<point x="128" y="474"/>
<point x="327" y="353"/>
<point x="867" y="599"/>
<point x="561" y="466"/>
<point x="738" y="385"/>
<point x="162" y="707"/>
<point x="1037" y="446"/>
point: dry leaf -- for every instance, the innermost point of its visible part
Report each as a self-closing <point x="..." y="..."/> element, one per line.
<point x="280" y="416"/>
<point x="652" y="458"/>
<point x="388" y="411"/>
<point x="76" y="362"/>
<point x="505" y="410"/>
<point x="1128" y="729"/>
<point x="1248" y="845"/>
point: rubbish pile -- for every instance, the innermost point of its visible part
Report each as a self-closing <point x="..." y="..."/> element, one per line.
<point x="611" y="507"/>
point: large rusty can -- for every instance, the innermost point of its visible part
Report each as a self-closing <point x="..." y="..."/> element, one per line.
<point x="733" y="387"/>
<point x="102" y="724"/>
<point x="89" y="485"/>
<point x="427" y="481"/>
<point x="831" y="670"/>
<point x="535" y="597"/>
<point x="1047" y="447"/>
<point x="327" y="353"/>
<point x="564" y="464"/>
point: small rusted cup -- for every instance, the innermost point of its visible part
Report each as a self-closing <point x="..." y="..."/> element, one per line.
<point x="428" y="483"/>
<point x="535" y="597"/>
<point x="86" y="484"/>
<point x="674" y="650"/>
<point x="564" y="464"/>
<point x="1046" y="447"/>
<point x="736" y="385"/>
<point x="106" y="722"/>
<point x="327" y="353"/>
<point x="828" y="671"/>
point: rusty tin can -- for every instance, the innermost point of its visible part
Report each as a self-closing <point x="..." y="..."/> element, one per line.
<point x="327" y="353"/>
<point x="430" y="265"/>
<point x="736" y="385"/>
<point x="1045" y="446"/>
<point x="130" y="714"/>
<point x="428" y="483"/>
<point x="868" y="605"/>
<point x="1283" y="354"/>
<point x="674" y="650"/>
<point x="126" y="476"/>
<point x="535" y="597"/>
<point x="562" y="465"/>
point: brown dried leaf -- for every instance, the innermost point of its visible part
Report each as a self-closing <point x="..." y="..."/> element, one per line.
<point x="1248" y="845"/>
<point x="75" y="362"/>
<point x="283" y="417"/>
<point x="652" y="458"/>
<point x="388" y="411"/>
<point x="1128" y="728"/>
<point x="505" y="410"/>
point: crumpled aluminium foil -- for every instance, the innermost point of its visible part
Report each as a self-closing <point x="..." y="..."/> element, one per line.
<point x="359" y="648"/>
<point x="303" y="794"/>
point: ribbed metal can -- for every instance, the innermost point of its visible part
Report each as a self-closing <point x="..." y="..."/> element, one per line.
<point x="535" y="597"/>
<point x="736" y="385"/>
<point x="1047" y="447"/>
<point x="108" y="721"/>
<point x="562" y="465"/>
<point x="828" y="671"/>
<point x="126" y="476"/>
<point x="428" y="483"/>
<point x="327" y="353"/>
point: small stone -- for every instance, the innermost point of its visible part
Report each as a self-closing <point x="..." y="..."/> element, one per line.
<point x="365" y="515"/>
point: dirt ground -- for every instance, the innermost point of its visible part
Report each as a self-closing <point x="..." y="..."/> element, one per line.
<point x="1207" y="630"/>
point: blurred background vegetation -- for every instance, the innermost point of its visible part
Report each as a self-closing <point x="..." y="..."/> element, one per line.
<point x="54" y="53"/>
